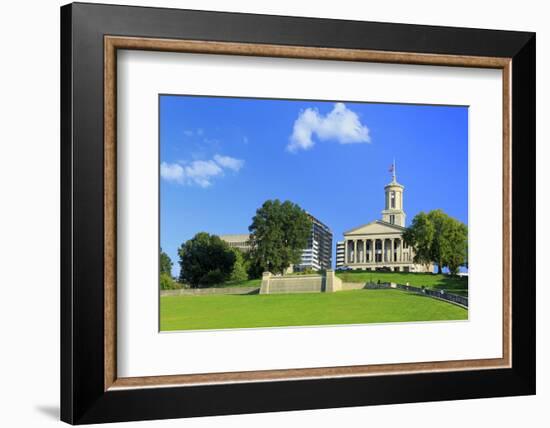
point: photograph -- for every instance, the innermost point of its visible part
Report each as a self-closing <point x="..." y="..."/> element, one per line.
<point x="295" y="213"/>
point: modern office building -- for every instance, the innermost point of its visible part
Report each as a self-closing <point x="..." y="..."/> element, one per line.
<point x="318" y="253"/>
<point x="340" y="248"/>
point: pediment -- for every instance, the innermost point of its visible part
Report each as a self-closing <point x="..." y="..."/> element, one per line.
<point x="374" y="228"/>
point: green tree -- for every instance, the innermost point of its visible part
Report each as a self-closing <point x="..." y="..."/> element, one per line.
<point x="239" y="272"/>
<point x="456" y="235"/>
<point x="420" y="235"/>
<point x="278" y="234"/>
<point x="205" y="260"/>
<point x="440" y="245"/>
<point x="438" y="238"/>
<point x="165" y="263"/>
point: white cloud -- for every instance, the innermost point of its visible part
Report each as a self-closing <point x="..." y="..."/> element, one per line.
<point x="341" y="125"/>
<point x="171" y="172"/>
<point x="199" y="172"/>
<point x="229" y="162"/>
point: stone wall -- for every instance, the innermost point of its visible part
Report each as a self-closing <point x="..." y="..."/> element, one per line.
<point x="328" y="283"/>
<point x="367" y="285"/>
<point x="333" y="283"/>
<point x="210" y="291"/>
<point x="272" y="284"/>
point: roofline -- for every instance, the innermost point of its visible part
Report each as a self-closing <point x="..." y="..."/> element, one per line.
<point x="315" y="219"/>
<point x="384" y="223"/>
<point x="396" y="184"/>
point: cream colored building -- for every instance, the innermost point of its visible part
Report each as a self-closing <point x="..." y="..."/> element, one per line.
<point x="240" y="241"/>
<point x="379" y="245"/>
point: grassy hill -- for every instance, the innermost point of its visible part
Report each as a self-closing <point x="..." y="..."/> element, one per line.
<point x="453" y="284"/>
<point x="278" y="310"/>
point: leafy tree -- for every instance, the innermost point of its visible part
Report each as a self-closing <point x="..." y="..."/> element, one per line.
<point x="165" y="263"/>
<point x="205" y="260"/>
<point x="440" y="244"/>
<point x="278" y="234"/>
<point x="456" y="235"/>
<point x="254" y="268"/>
<point x="438" y="238"/>
<point x="239" y="272"/>
<point x="420" y="235"/>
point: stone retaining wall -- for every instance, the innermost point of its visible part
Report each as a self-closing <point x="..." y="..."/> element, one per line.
<point x="327" y="283"/>
<point x="292" y="284"/>
<point x="210" y="291"/>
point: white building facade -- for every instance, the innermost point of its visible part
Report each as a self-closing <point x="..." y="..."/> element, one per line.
<point x="318" y="253"/>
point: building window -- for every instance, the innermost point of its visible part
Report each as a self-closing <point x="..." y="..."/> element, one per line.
<point x="392" y="199"/>
<point x="392" y="219"/>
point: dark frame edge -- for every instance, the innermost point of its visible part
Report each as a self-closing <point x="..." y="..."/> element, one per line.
<point x="524" y="219"/>
<point x="66" y="304"/>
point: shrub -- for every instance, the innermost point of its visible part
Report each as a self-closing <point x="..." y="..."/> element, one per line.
<point x="167" y="282"/>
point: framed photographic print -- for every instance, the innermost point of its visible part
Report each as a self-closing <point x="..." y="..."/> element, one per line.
<point x="265" y="213"/>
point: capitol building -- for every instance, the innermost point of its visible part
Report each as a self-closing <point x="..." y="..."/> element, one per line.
<point x="379" y="245"/>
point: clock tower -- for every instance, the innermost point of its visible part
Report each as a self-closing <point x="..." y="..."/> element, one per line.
<point x="393" y="212"/>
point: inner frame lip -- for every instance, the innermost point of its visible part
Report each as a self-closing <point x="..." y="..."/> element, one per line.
<point x="113" y="43"/>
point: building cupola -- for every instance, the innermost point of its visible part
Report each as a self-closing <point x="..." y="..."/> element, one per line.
<point x="393" y="212"/>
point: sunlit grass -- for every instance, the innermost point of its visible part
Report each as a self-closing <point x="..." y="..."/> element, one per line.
<point x="278" y="310"/>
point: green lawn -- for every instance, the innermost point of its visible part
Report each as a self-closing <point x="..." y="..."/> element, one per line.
<point x="453" y="284"/>
<point x="278" y="310"/>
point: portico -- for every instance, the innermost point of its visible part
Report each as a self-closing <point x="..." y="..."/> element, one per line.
<point x="377" y="245"/>
<point x="387" y="249"/>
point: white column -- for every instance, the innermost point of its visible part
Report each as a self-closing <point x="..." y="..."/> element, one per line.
<point x="345" y="251"/>
<point x="355" y="251"/>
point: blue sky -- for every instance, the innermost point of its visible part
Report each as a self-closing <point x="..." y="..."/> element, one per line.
<point x="221" y="158"/>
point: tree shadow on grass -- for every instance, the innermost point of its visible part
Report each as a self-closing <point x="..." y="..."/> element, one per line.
<point x="452" y="283"/>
